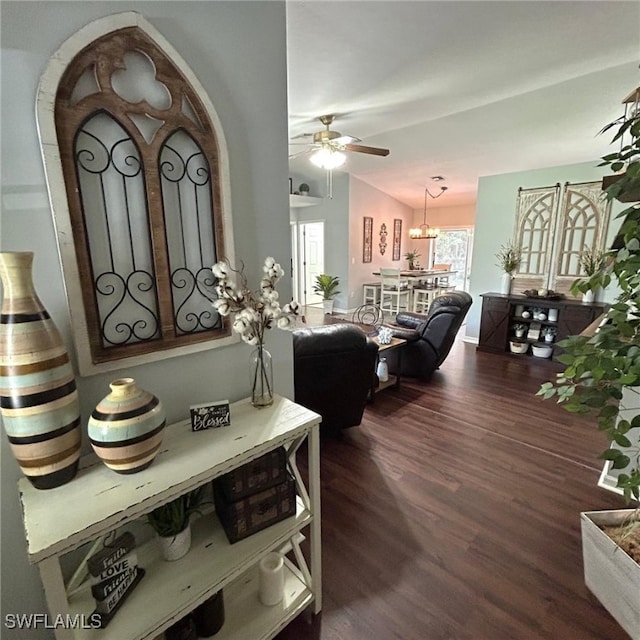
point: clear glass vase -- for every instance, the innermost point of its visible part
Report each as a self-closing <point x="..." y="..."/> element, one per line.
<point x="261" y="377"/>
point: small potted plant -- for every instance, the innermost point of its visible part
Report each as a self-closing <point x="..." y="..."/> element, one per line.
<point x="304" y="189"/>
<point x="327" y="287"/>
<point x="519" y="329"/>
<point x="592" y="263"/>
<point x="171" y="522"/>
<point x="549" y="333"/>
<point x="509" y="258"/>
<point x="412" y="256"/>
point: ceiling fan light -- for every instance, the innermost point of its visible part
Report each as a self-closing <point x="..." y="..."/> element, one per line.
<point x="328" y="158"/>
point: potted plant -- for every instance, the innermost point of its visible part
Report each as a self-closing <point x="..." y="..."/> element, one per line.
<point x="549" y="333"/>
<point x="592" y="263"/>
<point x="602" y="379"/>
<point x="327" y="287"/>
<point x="304" y="189"/>
<point x="509" y="258"/>
<point x="171" y="522"/>
<point x="519" y="329"/>
<point x="412" y="256"/>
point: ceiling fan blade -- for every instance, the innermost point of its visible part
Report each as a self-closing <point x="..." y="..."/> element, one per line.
<point x="374" y="151"/>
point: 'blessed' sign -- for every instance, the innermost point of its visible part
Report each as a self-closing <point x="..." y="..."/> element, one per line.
<point x="210" y="415"/>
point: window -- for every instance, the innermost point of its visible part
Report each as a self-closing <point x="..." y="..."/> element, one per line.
<point x="144" y="212"/>
<point x="453" y="247"/>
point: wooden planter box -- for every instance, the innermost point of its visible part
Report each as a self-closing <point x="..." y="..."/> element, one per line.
<point x="609" y="573"/>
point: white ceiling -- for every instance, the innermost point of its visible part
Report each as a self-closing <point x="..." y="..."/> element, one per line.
<point x="461" y="89"/>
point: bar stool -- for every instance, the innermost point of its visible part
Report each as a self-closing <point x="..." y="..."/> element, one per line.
<point x="371" y="293"/>
<point x="422" y="299"/>
<point x="394" y="290"/>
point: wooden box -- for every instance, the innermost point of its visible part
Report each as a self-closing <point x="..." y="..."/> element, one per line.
<point x="250" y="514"/>
<point x="609" y="573"/>
<point x="262" y="473"/>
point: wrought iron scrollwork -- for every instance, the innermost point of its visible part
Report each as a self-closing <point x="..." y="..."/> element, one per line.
<point x="112" y="191"/>
<point x="127" y="318"/>
<point x="194" y="313"/>
<point x="186" y="193"/>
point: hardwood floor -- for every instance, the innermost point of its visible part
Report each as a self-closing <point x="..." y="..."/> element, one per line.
<point x="452" y="512"/>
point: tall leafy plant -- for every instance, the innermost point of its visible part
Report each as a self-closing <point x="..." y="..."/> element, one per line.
<point x="326" y="286"/>
<point x="600" y="367"/>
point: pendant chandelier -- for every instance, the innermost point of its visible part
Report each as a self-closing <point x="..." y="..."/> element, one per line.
<point x="424" y="231"/>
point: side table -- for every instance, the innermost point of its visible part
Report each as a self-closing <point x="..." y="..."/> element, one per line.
<point x="394" y="379"/>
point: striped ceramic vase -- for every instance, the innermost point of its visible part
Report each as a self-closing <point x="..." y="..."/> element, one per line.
<point x="38" y="396"/>
<point x="126" y="428"/>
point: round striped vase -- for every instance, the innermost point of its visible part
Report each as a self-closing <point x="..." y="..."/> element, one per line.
<point x="126" y="428"/>
<point x="38" y="396"/>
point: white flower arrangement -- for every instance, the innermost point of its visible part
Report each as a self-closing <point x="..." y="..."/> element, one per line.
<point x="254" y="312"/>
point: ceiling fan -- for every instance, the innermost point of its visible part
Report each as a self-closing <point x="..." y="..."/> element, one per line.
<point x="328" y="145"/>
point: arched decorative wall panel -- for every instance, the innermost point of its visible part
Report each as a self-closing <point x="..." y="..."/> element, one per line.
<point x="553" y="226"/>
<point x="137" y="171"/>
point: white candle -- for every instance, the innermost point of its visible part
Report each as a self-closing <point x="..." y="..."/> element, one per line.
<point x="271" y="590"/>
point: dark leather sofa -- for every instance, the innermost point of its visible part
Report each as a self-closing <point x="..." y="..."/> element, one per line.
<point x="334" y="371"/>
<point x="429" y="338"/>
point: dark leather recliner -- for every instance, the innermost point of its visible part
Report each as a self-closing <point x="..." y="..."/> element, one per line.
<point x="334" y="371"/>
<point x="429" y="338"/>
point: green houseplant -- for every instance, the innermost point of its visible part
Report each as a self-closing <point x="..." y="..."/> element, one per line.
<point x="625" y="163"/>
<point x="327" y="287"/>
<point x="602" y="366"/>
<point x="509" y="258"/>
<point x="171" y="522"/>
<point x="411" y="257"/>
<point x="592" y="262"/>
<point x="602" y="379"/>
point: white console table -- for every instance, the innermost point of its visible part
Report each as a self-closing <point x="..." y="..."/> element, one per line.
<point x="97" y="501"/>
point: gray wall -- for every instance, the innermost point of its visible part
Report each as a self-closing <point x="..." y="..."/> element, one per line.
<point x="495" y="224"/>
<point x="238" y="51"/>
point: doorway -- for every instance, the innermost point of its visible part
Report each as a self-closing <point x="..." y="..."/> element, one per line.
<point x="308" y="259"/>
<point x="453" y="246"/>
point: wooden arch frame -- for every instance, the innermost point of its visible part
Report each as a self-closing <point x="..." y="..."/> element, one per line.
<point x="103" y="43"/>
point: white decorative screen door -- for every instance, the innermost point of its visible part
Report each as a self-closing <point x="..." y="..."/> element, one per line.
<point x="535" y="220"/>
<point x="583" y="223"/>
<point x="553" y="225"/>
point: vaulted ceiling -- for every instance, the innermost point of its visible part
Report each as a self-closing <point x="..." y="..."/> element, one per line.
<point x="461" y="89"/>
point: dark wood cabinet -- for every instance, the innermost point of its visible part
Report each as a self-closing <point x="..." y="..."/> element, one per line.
<point x="501" y="313"/>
